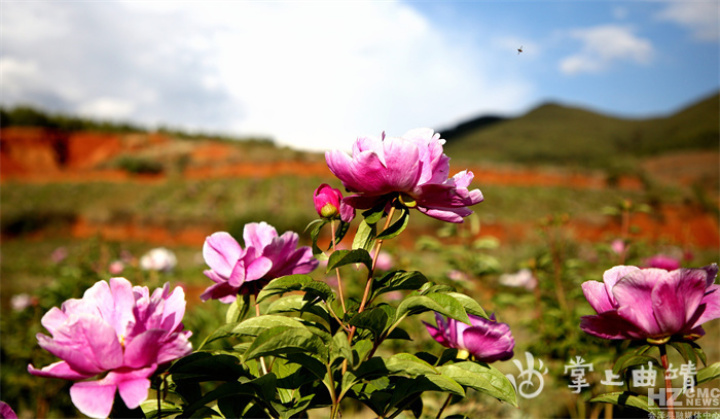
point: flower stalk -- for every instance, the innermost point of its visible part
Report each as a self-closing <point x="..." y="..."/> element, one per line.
<point x="668" y="382"/>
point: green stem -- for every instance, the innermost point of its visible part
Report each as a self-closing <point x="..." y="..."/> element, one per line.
<point x="333" y="394"/>
<point x="337" y="270"/>
<point x="668" y="383"/>
<point x="447" y="402"/>
<point x="262" y="359"/>
<point x="368" y="284"/>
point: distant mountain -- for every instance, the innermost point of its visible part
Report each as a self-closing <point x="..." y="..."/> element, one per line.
<point x="558" y="134"/>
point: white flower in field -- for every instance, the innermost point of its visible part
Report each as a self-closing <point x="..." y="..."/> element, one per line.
<point x="158" y="259"/>
<point x="522" y="278"/>
<point x="20" y="302"/>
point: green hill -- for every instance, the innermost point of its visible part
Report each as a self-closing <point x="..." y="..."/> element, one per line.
<point x="557" y="134"/>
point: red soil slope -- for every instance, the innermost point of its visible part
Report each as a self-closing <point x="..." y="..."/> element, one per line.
<point x="43" y="156"/>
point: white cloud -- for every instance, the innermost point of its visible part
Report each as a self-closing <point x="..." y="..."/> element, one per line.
<point x="603" y="46"/>
<point x="700" y="17"/>
<point x="314" y="75"/>
<point x="107" y="108"/>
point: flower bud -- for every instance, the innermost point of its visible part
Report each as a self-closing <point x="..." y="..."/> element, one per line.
<point x="329" y="204"/>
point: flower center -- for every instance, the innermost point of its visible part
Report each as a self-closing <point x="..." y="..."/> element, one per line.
<point x="407" y="200"/>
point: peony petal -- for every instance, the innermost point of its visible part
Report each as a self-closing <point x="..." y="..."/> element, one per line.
<point x="53" y="319"/>
<point x="259" y="236"/>
<point x="612" y="276"/>
<point x="596" y="294"/>
<point x="633" y="294"/>
<point x="452" y="215"/>
<point x="676" y="298"/>
<point x="87" y="343"/>
<point x="712" y="272"/>
<point x="142" y="351"/>
<point x="258" y="268"/>
<point x="224" y="292"/>
<point x="175" y="346"/>
<point x="59" y="369"/>
<point x="133" y="385"/>
<point x="221" y="251"/>
<point x="709" y="306"/>
<point x="610" y="326"/>
<point x="340" y="164"/>
<point x="490" y="341"/>
<point x="437" y="334"/>
<point x="173" y="310"/>
<point x="93" y="398"/>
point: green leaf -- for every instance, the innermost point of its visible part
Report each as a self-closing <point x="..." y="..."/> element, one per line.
<point x="469" y="304"/>
<point x="364" y="237"/>
<point x="408" y="364"/>
<point x="256" y="325"/>
<point x="627" y="398"/>
<point x="149" y="408"/>
<point x="284" y="340"/>
<point x="315" y="233"/>
<point x="319" y="289"/>
<point x="686" y="350"/>
<point x="296" y="303"/>
<point x="481" y="377"/>
<point x="408" y="387"/>
<point x="376" y="319"/>
<point x="238" y="309"/>
<point x="203" y="366"/>
<point x="311" y="364"/>
<point x="708" y="373"/>
<point x="282" y="285"/>
<point x="397" y="227"/>
<point x="360" y="350"/>
<point x="630" y="360"/>
<point x="398" y="280"/>
<point x="430" y="287"/>
<point x="346" y="257"/>
<point x="398" y="333"/>
<point x="340" y="348"/>
<point x="261" y="389"/>
<point x="375" y="214"/>
<point x="444" y="304"/>
<point x="341" y="231"/>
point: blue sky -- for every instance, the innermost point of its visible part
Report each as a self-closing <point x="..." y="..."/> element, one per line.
<point x="315" y="75"/>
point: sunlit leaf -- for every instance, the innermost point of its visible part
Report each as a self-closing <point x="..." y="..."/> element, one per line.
<point x="284" y="284"/>
<point x="397" y="227"/>
<point x="481" y="377"/>
<point x="365" y="236"/>
<point x="708" y="373"/>
<point x="346" y="257"/>
<point x="627" y="398"/>
<point x="283" y="340"/>
<point x="444" y="304"/>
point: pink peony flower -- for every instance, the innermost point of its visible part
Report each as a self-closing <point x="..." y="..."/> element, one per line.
<point x="411" y="168"/>
<point x="662" y="262"/>
<point x="7" y="412"/>
<point x="329" y="204"/>
<point x="117" y="329"/>
<point x="245" y="271"/>
<point x="384" y="261"/>
<point x="487" y="340"/>
<point x="652" y="304"/>
<point x="116" y="267"/>
<point x="618" y="246"/>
